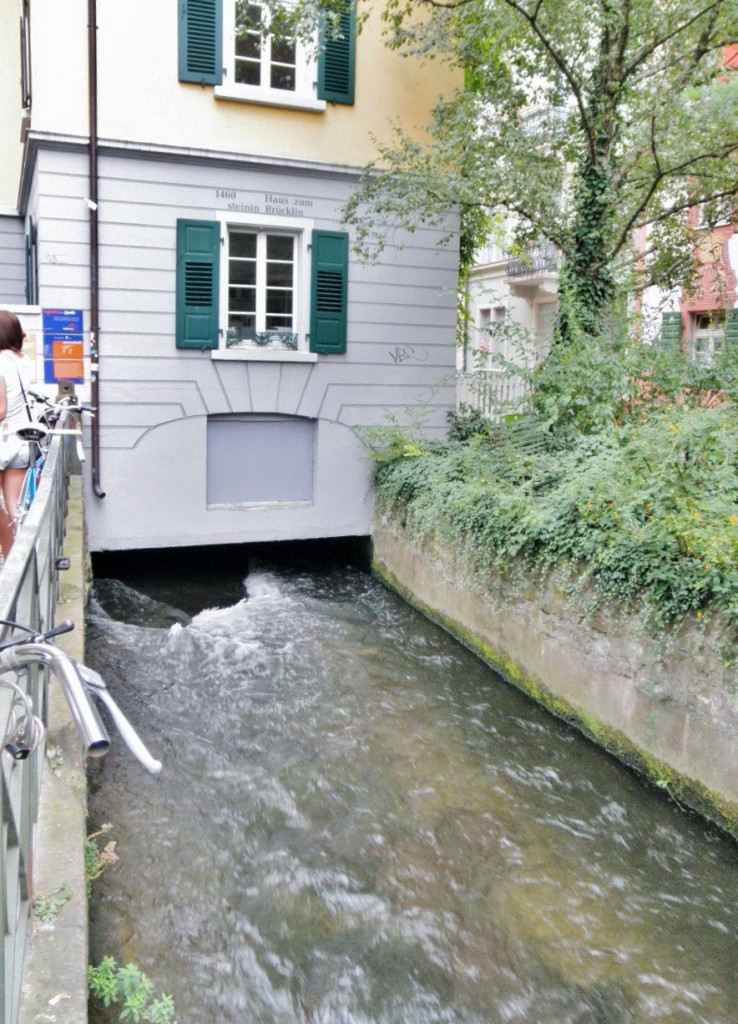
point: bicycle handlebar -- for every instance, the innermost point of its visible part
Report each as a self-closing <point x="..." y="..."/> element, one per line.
<point x="65" y="405"/>
<point x="95" y="740"/>
<point x="78" y="683"/>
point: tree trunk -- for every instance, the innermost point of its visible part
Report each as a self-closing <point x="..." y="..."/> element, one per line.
<point x="586" y="286"/>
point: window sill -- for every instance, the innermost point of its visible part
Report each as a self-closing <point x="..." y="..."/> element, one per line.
<point x="262" y="355"/>
<point x="252" y="506"/>
<point x="270" y="98"/>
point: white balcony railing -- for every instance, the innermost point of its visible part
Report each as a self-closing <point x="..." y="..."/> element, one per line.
<point x="495" y="393"/>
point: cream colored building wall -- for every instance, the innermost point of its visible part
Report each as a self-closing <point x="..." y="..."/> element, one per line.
<point x="141" y="99"/>
<point x="11" y="150"/>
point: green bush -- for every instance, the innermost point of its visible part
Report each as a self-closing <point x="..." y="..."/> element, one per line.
<point x="643" y="500"/>
<point x="468" y="422"/>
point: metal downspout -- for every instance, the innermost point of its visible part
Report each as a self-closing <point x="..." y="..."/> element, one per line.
<point x="94" y="247"/>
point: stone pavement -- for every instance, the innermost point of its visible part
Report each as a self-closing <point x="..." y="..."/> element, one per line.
<point x="55" y="972"/>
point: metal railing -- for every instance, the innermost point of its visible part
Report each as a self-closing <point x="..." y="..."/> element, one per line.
<point x="546" y="123"/>
<point x="28" y="594"/>
<point x="542" y="258"/>
<point x="279" y="336"/>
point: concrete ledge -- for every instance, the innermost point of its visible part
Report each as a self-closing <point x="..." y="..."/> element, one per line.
<point x="55" y="970"/>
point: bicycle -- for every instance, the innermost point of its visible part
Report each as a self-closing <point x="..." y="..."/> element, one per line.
<point x="78" y="682"/>
<point x="38" y="433"/>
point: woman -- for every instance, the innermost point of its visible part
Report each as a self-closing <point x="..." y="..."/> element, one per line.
<point x="15" y="376"/>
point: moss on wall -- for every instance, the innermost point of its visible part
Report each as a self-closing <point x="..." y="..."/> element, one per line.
<point x="688" y="792"/>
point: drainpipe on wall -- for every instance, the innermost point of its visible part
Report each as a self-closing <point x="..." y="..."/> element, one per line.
<point x="94" y="249"/>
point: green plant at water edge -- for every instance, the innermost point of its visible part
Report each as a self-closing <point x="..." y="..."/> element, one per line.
<point x="401" y="437"/>
<point x="97" y="860"/>
<point x="48" y="905"/>
<point x="128" y="987"/>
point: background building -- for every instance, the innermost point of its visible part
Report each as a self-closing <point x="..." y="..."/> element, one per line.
<point x="520" y="292"/>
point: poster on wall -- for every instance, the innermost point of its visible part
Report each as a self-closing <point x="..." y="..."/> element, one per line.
<point x="63" y="345"/>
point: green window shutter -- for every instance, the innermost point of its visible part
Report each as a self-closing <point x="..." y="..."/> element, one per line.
<point x="337" y="61"/>
<point x="198" y="260"/>
<point x="201" y="41"/>
<point x="329" y="291"/>
<point x="731" y="327"/>
<point x="671" y="328"/>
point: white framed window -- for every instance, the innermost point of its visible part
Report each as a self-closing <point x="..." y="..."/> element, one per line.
<point x="708" y="336"/>
<point x="259" y="68"/>
<point x="264" y="287"/>
<point x="709" y="217"/>
<point x="491" y="337"/>
<point x="545" y="324"/>
<point x="244" y="269"/>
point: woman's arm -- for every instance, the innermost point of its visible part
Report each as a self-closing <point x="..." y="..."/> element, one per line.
<point x="3" y="399"/>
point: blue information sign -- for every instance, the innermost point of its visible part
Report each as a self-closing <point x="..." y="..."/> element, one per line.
<point x="63" y="345"/>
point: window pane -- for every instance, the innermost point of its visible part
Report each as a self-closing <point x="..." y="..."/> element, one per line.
<point x="248" y="73"/>
<point x="244" y="321"/>
<point x="249" y="47"/>
<point x="248" y="18"/>
<point x="279" y="275"/>
<point x="283" y="77"/>
<point x="247" y="69"/>
<point x="243" y="244"/>
<point x="242" y="272"/>
<point x="242" y="299"/>
<point x="283" y="51"/>
<point x="279" y="302"/>
<point x="280" y="247"/>
<point x="280" y="266"/>
<point x="276" y="322"/>
<point x="283" y="61"/>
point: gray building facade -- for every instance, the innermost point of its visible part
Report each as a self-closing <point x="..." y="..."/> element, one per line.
<point x="204" y="445"/>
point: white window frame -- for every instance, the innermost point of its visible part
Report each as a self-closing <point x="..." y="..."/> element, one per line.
<point x="305" y="94"/>
<point x="702" y="224"/>
<point x="301" y="229"/>
<point x="713" y="336"/>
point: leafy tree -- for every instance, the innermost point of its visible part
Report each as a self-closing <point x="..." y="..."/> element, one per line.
<point x="585" y="120"/>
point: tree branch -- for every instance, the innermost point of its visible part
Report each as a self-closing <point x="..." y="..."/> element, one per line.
<point x="646" y="51"/>
<point x="686" y="205"/>
<point x="561" y="64"/>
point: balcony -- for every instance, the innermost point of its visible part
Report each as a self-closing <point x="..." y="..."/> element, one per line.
<point x="544" y="124"/>
<point x="536" y="272"/>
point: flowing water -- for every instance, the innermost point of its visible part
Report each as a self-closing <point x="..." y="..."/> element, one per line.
<point x="360" y="823"/>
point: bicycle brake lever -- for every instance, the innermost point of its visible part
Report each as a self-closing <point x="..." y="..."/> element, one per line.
<point x="66" y="626"/>
<point x="95" y="684"/>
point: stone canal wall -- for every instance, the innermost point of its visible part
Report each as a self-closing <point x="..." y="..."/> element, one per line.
<point x="666" y="705"/>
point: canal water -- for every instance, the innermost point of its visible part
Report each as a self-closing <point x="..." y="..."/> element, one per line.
<point x="360" y="823"/>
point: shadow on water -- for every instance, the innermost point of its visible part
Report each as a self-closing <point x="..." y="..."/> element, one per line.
<point x="360" y="823"/>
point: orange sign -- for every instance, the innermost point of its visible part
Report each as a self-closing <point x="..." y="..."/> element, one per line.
<point x="67" y="357"/>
